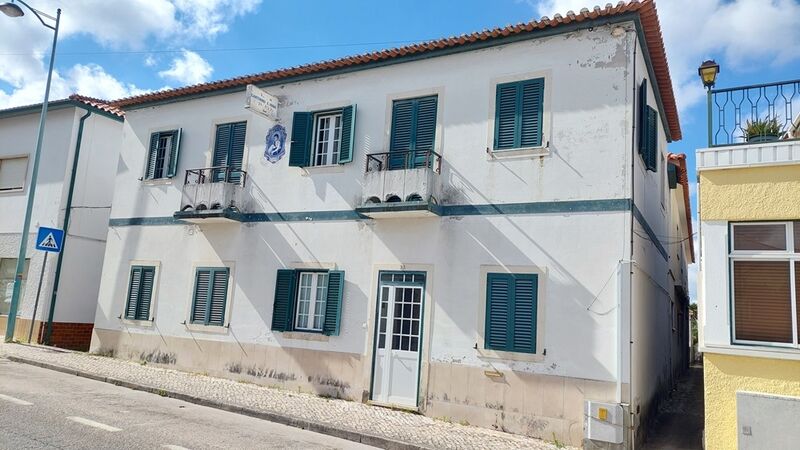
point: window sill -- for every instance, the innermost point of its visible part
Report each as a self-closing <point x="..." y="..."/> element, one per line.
<point x="754" y="351"/>
<point x="331" y="168"/>
<point x="12" y="191"/>
<point x="518" y="153"/>
<point x="305" y="336"/>
<point x="138" y="323"/>
<point x="213" y="329"/>
<point x="158" y="181"/>
<point x="511" y="356"/>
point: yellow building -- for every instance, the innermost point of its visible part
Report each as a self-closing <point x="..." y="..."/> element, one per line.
<point x="749" y="280"/>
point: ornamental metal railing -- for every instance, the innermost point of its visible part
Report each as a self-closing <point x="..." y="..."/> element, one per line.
<point x="404" y="160"/>
<point x="752" y="114"/>
<point x="217" y="174"/>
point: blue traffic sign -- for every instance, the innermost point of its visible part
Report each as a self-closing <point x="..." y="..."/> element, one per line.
<point x="49" y="239"/>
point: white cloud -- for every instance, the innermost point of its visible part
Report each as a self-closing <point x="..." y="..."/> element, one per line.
<point x="129" y="24"/>
<point x="189" y="68"/>
<point x="740" y="34"/>
<point x="150" y="61"/>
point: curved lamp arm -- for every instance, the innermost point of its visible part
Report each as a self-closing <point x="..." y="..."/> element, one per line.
<point x="38" y="14"/>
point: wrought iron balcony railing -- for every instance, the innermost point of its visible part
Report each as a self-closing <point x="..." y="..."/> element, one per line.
<point x="212" y="189"/>
<point x="751" y="114"/>
<point x="218" y="174"/>
<point x="404" y="160"/>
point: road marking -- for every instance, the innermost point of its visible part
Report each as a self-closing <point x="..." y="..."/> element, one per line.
<point x="174" y="447"/>
<point x="92" y="423"/>
<point x="16" y="401"/>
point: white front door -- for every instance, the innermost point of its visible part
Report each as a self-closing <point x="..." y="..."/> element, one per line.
<point x="398" y="344"/>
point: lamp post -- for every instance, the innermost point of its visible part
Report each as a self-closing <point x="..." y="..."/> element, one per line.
<point x="12" y="9"/>
<point x="708" y="74"/>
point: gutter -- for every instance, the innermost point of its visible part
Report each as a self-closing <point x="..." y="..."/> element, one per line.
<point x="73" y="176"/>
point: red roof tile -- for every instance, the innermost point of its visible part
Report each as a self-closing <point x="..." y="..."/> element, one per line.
<point x="679" y="161"/>
<point x="645" y="8"/>
<point x="102" y="105"/>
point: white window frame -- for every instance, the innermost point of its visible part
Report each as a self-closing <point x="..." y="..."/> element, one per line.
<point x="787" y="255"/>
<point x="167" y="155"/>
<point x="332" y="151"/>
<point x="315" y="289"/>
<point x="24" y="176"/>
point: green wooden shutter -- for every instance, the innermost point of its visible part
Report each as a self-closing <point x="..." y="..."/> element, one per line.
<point x="348" y="134"/>
<point x="283" y="307"/>
<point x="425" y="136"/>
<point x="202" y="287"/>
<point x="511" y="312"/>
<point x="532" y="102"/>
<point x="518" y="114"/>
<point x="222" y="143"/>
<point x="133" y="293"/>
<point x="145" y="293"/>
<point x="402" y="133"/>
<point x="672" y="176"/>
<point x="218" y="297"/>
<point x="643" y="122"/>
<point x="505" y="116"/>
<point x="333" y="305"/>
<point x="402" y="125"/>
<point x="498" y="311"/>
<point x="302" y="137"/>
<point x="525" y="305"/>
<point x="425" y="133"/>
<point x="152" y="155"/>
<point x="174" y="152"/>
<point x="236" y="155"/>
<point x="652" y="140"/>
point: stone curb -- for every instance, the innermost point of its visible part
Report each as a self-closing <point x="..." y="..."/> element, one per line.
<point x="317" y="427"/>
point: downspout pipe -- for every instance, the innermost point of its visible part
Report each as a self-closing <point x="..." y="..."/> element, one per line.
<point x="634" y="130"/>
<point x="70" y="194"/>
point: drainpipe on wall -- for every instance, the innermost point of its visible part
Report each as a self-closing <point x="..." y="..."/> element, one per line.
<point x="57" y="279"/>
<point x="634" y="103"/>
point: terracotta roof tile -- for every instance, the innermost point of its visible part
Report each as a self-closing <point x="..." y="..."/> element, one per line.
<point x="103" y="105"/>
<point x="645" y="8"/>
<point x="679" y="161"/>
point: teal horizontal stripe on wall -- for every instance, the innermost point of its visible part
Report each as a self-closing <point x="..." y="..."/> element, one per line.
<point x="560" y="207"/>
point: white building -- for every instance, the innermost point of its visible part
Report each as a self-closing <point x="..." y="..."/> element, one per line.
<point x="450" y="230"/>
<point x="74" y="191"/>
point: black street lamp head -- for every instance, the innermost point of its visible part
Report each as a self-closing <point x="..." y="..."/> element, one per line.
<point x="708" y="73"/>
<point x="12" y="10"/>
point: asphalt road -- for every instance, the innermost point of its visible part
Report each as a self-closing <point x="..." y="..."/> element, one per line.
<point x="40" y="408"/>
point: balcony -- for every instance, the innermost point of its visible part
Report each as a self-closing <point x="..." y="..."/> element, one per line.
<point x="752" y="126"/>
<point x="212" y="194"/>
<point x="402" y="184"/>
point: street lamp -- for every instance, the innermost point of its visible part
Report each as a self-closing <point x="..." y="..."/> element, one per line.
<point x="708" y="73"/>
<point x="13" y="9"/>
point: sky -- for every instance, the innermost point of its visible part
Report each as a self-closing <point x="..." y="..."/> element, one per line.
<point x="112" y="49"/>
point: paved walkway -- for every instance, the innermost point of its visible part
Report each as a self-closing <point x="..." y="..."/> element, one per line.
<point x="679" y="425"/>
<point x="359" y="422"/>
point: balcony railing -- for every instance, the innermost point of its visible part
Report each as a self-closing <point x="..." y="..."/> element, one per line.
<point x="217" y="174"/>
<point x="211" y="191"/>
<point x="404" y="160"/>
<point x="730" y="111"/>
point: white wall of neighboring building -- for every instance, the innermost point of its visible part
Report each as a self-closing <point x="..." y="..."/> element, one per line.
<point x="94" y="187"/>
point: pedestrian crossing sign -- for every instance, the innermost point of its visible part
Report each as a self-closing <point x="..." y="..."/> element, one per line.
<point x="49" y="239"/>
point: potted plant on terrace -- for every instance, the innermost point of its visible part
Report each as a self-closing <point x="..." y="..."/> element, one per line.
<point x="762" y="130"/>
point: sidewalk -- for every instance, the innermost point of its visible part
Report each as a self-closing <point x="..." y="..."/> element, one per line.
<point x="358" y="422"/>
